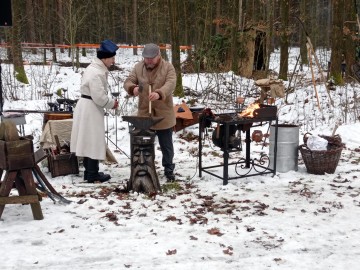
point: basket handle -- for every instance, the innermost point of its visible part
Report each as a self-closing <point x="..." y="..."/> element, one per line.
<point x="337" y="138"/>
<point x="306" y="136"/>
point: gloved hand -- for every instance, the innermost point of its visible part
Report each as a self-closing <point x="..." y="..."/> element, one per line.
<point x="138" y="89"/>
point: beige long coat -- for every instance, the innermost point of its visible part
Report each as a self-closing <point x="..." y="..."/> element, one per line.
<point x="88" y="129"/>
<point x="163" y="80"/>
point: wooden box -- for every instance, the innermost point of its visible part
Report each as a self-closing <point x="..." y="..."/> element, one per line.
<point x="63" y="164"/>
<point x="16" y="155"/>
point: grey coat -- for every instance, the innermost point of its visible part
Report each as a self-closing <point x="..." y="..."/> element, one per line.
<point x="163" y="80"/>
<point x="88" y="130"/>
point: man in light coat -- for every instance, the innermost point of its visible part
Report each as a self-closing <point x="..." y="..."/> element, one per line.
<point x="160" y="74"/>
<point x="88" y="130"/>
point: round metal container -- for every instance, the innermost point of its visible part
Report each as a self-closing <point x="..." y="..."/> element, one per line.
<point x="287" y="148"/>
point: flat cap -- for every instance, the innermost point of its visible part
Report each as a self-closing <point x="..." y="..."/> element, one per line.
<point x="150" y="50"/>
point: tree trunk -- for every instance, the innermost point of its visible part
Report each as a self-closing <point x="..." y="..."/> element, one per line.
<point x="16" y="43"/>
<point x="52" y="28"/>
<point x="30" y="23"/>
<point x="73" y="20"/>
<point x="269" y="33"/>
<point x="174" y="6"/>
<point x="186" y="24"/>
<point x="303" y="39"/>
<point x="349" y="43"/>
<point x="246" y="63"/>
<point x="61" y="24"/>
<point x="134" y="30"/>
<point x="233" y="57"/>
<point x="217" y="17"/>
<point x="284" y="39"/>
<point x="336" y="45"/>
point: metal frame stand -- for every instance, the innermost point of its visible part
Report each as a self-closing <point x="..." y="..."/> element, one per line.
<point x="253" y="166"/>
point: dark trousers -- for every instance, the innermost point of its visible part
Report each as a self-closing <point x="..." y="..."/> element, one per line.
<point x="167" y="149"/>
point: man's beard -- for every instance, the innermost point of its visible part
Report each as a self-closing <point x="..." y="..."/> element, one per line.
<point x="152" y="66"/>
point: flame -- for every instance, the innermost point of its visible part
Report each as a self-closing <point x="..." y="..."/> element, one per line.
<point x="249" y="111"/>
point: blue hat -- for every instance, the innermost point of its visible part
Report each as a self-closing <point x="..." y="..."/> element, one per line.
<point x="107" y="49"/>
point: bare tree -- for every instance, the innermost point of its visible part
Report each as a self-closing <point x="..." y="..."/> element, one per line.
<point x="73" y="18"/>
<point x="30" y="23"/>
<point x="284" y="39"/>
<point x="303" y="18"/>
<point x="350" y="29"/>
<point x="61" y="26"/>
<point x="269" y="33"/>
<point x="226" y="35"/>
<point x="16" y="51"/>
<point x="134" y="32"/>
<point x="336" y="52"/>
<point x="174" y="8"/>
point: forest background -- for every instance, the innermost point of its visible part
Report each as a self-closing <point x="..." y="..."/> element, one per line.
<point x="224" y="35"/>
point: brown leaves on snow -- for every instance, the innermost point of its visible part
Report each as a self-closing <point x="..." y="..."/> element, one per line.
<point x="111" y="216"/>
<point x="171" y="252"/>
<point x="229" y="251"/>
<point x="214" y="231"/>
<point x="173" y="218"/>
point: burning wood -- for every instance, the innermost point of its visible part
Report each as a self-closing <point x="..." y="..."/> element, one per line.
<point x="249" y="111"/>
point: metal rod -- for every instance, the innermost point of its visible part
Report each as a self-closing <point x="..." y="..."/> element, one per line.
<point x="116" y="136"/>
<point x="107" y="127"/>
<point x="39" y="111"/>
<point x="117" y="147"/>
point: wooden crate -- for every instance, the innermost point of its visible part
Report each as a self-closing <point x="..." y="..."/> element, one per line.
<point x="16" y="155"/>
<point x="63" y="164"/>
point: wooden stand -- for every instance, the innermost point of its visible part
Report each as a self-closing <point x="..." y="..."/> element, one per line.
<point x="17" y="160"/>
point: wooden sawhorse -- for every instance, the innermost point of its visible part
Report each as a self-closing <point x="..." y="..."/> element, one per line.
<point x="17" y="160"/>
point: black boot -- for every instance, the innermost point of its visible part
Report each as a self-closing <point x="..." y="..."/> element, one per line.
<point x="170" y="176"/>
<point x="85" y="163"/>
<point x="92" y="174"/>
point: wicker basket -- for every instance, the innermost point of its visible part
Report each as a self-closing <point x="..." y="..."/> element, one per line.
<point x="321" y="162"/>
<point x="63" y="164"/>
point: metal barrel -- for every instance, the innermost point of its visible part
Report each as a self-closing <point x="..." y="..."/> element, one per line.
<point x="287" y="147"/>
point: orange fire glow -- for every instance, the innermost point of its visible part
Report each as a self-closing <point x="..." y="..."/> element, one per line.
<point x="249" y="111"/>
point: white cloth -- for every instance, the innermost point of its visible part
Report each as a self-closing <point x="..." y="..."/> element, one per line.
<point x="316" y="143"/>
<point x="61" y="128"/>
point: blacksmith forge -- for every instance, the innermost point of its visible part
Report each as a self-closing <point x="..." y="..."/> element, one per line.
<point x="245" y="166"/>
<point x="143" y="173"/>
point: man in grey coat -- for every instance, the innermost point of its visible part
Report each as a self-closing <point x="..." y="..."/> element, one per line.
<point x="160" y="74"/>
<point x="88" y="130"/>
